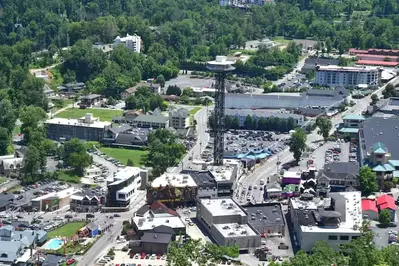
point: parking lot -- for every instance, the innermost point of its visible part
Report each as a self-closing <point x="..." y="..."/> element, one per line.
<point x="297" y="80"/>
<point x="244" y="141"/>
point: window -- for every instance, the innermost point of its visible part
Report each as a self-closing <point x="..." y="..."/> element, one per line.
<point x="332" y="237"/>
<point x="354" y="237"/>
<point x="344" y="238"/>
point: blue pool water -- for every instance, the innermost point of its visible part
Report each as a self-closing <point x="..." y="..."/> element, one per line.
<point x="54" y="244"/>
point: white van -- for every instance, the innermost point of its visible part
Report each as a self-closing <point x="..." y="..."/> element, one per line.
<point x="262" y="182"/>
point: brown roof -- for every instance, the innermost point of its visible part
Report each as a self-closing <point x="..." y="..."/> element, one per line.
<point x="133" y="112"/>
<point x="131" y="90"/>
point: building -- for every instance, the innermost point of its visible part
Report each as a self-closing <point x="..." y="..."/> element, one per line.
<point x="312" y="98"/>
<point x="335" y="220"/>
<point x="291" y="177"/>
<point x="81" y="202"/>
<point x="347" y="76"/>
<point x="374" y="51"/>
<point x="227" y="223"/>
<point x="379" y="63"/>
<point x="378" y="138"/>
<point x="204" y="91"/>
<point x="89" y="100"/>
<point x="124" y="185"/>
<point x="207" y="186"/>
<point x="242" y="114"/>
<point x="87" y="128"/>
<point x="71" y="88"/>
<point x="132" y="42"/>
<point x="54" y="200"/>
<point x="156" y="243"/>
<point x="149" y="217"/>
<point x="179" y="118"/>
<point x="172" y="188"/>
<point x="125" y="136"/>
<point x="338" y="176"/>
<point x="151" y="121"/>
<point x="128" y="117"/>
<point x="10" y="165"/>
<point x="153" y="87"/>
<point x="389" y="107"/>
<point x="17" y="247"/>
<point x="312" y="62"/>
<point x="266" y="218"/>
<point x="48" y="91"/>
<point x="369" y="209"/>
<point x="387" y="202"/>
<point x="5" y="201"/>
<point x="351" y="124"/>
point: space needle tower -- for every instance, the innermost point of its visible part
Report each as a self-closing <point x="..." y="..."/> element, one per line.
<point x="220" y="67"/>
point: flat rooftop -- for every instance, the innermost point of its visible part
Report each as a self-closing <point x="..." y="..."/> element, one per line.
<point x="235" y="230"/>
<point x="174" y="180"/>
<point x="222" y="173"/>
<point x="222" y="207"/>
<point x="148" y="222"/>
<point x="60" y="194"/>
<point x="201" y="178"/>
<point x="77" y="122"/>
<point x="348" y="204"/>
<point x="263" y="216"/>
<point x="125" y="173"/>
<point x="346" y="69"/>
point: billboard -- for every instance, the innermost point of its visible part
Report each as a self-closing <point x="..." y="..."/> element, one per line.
<point x="171" y="194"/>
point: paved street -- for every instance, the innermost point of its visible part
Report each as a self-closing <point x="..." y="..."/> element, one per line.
<point x="101" y="247"/>
<point x="202" y="139"/>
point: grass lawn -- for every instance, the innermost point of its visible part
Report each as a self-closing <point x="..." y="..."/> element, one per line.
<point x="195" y="110"/>
<point x="2" y="180"/>
<point x="15" y="188"/>
<point x="281" y="40"/>
<point x="124" y="154"/>
<point x="103" y="114"/>
<point x="16" y="131"/>
<point x="69" y="177"/>
<point x="67" y="230"/>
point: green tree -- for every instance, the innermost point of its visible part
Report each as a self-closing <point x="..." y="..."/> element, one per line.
<point x="374" y="99"/>
<point x="262" y="123"/>
<point x="161" y="80"/>
<point x="164" y="151"/>
<point x="368" y="180"/>
<point x="5" y="141"/>
<point x="31" y="118"/>
<point x="173" y="90"/>
<point x="188" y="92"/>
<point x="325" y="126"/>
<point x="130" y="102"/>
<point x="298" y="143"/>
<point x="235" y="123"/>
<point x="248" y="122"/>
<point x="7" y="115"/>
<point x="32" y="161"/>
<point x="227" y="122"/>
<point x="75" y="155"/>
<point x="384" y="218"/>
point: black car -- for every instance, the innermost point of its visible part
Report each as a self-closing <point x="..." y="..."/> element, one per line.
<point x="117" y="215"/>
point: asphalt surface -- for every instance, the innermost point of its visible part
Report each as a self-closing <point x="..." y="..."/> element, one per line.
<point x="101" y="247"/>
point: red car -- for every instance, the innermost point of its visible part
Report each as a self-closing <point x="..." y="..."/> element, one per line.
<point x="142" y="256"/>
<point x="70" y="261"/>
<point x="158" y="256"/>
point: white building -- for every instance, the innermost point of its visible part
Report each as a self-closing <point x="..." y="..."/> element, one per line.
<point x="179" y="118"/>
<point x="133" y="42"/>
<point x="347" y="76"/>
<point x="227" y="222"/>
<point x="204" y="91"/>
<point x="122" y="188"/>
<point x="336" y="219"/>
<point x="173" y="180"/>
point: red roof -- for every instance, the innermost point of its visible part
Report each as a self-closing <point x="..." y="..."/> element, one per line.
<point x="377" y="63"/>
<point x="159" y="207"/>
<point x="368" y="56"/>
<point x="356" y="51"/>
<point x="385" y="201"/>
<point x="369" y="205"/>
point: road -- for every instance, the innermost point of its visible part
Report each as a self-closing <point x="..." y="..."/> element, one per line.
<point x="270" y="166"/>
<point x="202" y="139"/>
<point x="102" y="245"/>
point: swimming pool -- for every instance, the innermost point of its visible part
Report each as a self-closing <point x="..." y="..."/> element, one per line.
<point x="54" y="244"/>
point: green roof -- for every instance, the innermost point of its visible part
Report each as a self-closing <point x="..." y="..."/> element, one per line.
<point x="389" y="167"/>
<point x="379" y="148"/>
<point x="395" y="163"/>
<point x="353" y="117"/>
<point x="379" y="168"/>
<point x="349" y="130"/>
